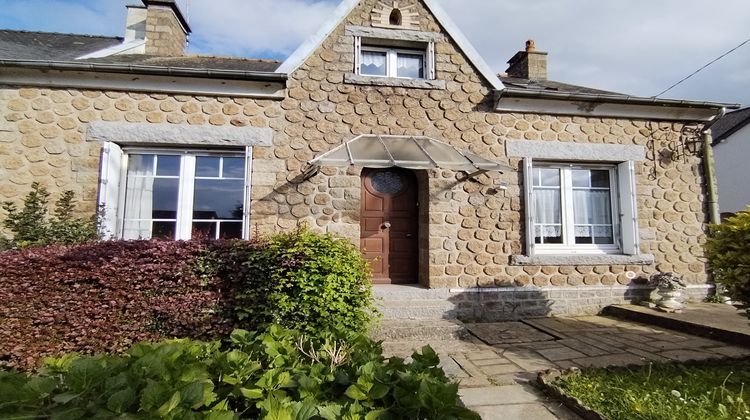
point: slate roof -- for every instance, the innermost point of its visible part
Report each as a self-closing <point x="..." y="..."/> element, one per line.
<point x="552" y="86"/>
<point x="202" y="62"/>
<point x="730" y="124"/>
<point x="57" y="47"/>
<point x="49" y="46"/>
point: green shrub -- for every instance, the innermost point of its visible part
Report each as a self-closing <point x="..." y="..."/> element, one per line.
<point x="301" y="280"/>
<point x="728" y="251"/>
<point x="277" y="375"/>
<point x="32" y="226"/>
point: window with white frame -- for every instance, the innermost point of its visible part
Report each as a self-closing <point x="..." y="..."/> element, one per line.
<point x="575" y="209"/>
<point x="175" y="194"/>
<point x="391" y="62"/>
<point x="394" y="59"/>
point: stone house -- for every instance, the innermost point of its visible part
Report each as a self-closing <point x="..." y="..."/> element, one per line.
<point x="731" y="149"/>
<point x="516" y="194"/>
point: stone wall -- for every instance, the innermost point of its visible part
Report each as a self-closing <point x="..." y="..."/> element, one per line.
<point x="42" y="132"/>
<point x="474" y="228"/>
<point x="469" y="230"/>
<point x="164" y="33"/>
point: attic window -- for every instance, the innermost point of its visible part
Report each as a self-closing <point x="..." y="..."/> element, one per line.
<point x="396" y="19"/>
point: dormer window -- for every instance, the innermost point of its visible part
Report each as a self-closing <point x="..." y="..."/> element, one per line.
<point x="392" y="62"/>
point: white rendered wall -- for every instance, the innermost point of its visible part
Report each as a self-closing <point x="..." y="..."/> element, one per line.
<point x="733" y="171"/>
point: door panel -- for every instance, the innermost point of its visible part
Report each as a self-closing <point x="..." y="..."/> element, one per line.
<point x="389" y="224"/>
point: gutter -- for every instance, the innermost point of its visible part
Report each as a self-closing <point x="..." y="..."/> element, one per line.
<point x="710" y="165"/>
<point x="147" y="70"/>
<point x="613" y="99"/>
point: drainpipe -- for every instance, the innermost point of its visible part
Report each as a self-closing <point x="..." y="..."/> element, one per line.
<point x="708" y="162"/>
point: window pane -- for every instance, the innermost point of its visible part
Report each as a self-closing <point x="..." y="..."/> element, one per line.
<point x="410" y="65"/>
<point x="374" y="63"/>
<point x="136" y="229"/>
<point x="164" y="198"/>
<point x="548" y="215"/>
<point x="168" y="165"/>
<point x="164" y="230"/>
<point x="549" y="177"/>
<point x="600" y="179"/>
<point x="234" y="167"/>
<point x="141" y="165"/>
<point x="231" y="230"/>
<point x="581" y="178"/>
<point x="204" y="230"/>
<point x="592" y="207"/>
<point x="207" y="166"/>
<point x="218" y="199"/>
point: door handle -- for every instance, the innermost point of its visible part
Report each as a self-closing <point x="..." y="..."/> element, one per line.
<point x="386" y="225"/>
<point x="409" y="235"/>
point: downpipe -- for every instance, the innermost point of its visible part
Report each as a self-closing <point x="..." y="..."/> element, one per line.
<point x="710" y="169"/>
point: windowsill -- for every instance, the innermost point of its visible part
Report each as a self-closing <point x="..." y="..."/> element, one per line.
<point x="356" y="79"/>
<point x="604" y="259"/>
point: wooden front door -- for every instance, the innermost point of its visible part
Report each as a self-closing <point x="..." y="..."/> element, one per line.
<point x="389" y="225"/>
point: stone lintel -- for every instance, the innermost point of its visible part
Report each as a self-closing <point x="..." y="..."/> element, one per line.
<point x="356" y="79"/>
<point x="178" y="134"/>
<point x="574" y="151"/>
<point x="393" y="34"/>
<point x="541" y="260"/>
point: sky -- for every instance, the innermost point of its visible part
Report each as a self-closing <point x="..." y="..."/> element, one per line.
<point x="639" y="47"/>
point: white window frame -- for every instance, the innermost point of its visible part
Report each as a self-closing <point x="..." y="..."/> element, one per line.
<point x="112" y="191"/>
<point x="569" y="247"/>
<point x="427" y="53"/>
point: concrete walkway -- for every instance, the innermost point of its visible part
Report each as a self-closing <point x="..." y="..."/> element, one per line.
<point x="497" y="365"/>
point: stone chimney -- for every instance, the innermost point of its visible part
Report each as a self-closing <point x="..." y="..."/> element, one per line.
<point x="530" y="64"/>
<point x="161" y="24"/>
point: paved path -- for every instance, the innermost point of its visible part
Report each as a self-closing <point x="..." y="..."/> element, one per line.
<point x="496" y="373"/>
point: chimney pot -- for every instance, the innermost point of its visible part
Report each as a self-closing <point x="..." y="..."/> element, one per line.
<point x="529" y="64"/>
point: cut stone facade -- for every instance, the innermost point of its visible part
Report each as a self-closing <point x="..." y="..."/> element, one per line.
<point x="470" y="230"/>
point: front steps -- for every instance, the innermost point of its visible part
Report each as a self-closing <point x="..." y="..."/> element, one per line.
<point x="413" y="302"/>
<point x="412" y="313"/>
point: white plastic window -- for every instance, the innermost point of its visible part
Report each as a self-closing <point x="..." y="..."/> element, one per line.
<point x="575" y="209"/>
<point x="181" y="195"/>
<point x="392" y="62"/>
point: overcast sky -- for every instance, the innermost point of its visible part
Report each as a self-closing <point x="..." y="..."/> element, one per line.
<point x="639" y="47"/>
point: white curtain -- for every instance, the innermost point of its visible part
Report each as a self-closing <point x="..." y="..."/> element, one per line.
<point x="373" y="59"/>
<point x="592" y="207"/>
<point x="547" y="211"/>
<point x="139" y="196"/>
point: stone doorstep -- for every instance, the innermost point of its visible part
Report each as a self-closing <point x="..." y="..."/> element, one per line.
<point x="413" y="330"/>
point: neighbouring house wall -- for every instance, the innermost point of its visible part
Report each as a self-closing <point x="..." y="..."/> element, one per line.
<point x="474" y="229"/>
<point x="732" y="171"/>
<point x="43" y="132"/>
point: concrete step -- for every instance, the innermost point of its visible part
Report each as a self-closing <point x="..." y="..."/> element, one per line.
<point x="419" y="330"/>
<point x="434" y="309"/>
<point x="408" y="292"/>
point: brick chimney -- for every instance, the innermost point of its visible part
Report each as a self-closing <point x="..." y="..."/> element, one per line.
<point x="161" y="24"/>
<point x="530" y="64"/>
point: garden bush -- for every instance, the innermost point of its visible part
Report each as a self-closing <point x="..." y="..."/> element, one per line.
<point x="280" y="374"/>
<point x="105" y="296"/>
<point x="728" y="251"/>
<point x="32" y="226"/>
<point x="300" y="279"/>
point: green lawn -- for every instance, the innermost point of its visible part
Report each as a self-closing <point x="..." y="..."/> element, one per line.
<point x="710" y="390"/>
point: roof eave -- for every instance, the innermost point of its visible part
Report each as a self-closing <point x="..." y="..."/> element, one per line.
<point x="604" y="105"/>
<point x="146" y="70"/>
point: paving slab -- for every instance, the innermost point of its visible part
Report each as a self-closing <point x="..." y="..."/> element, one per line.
<point x="716" y="321"/>
<point x="688" y="355"/>
<point x="515" y="411"/>
<point x="508" y="333"/>
<point x="499" y="395"/>
<point x="622" y="359"/>
<point x="560" y="353"/>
